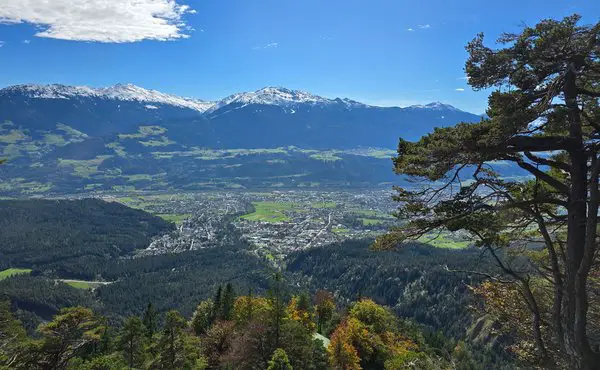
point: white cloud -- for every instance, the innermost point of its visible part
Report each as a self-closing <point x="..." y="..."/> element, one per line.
<point x="460" y="89"/>
<point x="410" y="30"/>
<point x="1" y="44"/>
<point x="100" y="20"/>
<point x="424" y="26"/>
<point x="27" y="41"/>
<point x="271" y="45"/>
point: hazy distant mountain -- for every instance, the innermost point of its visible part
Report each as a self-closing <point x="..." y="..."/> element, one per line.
<point x="64" y="138"/>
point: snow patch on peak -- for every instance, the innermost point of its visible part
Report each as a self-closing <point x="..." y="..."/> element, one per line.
<point x="120" y="92"/>
<point x="435" y="106"/>
<point x="274" y="96"/>
<point x="283" y="97"/>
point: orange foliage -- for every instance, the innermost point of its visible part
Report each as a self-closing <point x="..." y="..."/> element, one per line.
<point x="342" y="353"/>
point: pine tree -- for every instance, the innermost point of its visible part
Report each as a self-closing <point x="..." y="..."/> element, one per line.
<point x="132" y="341"/>
<point x="170" y="345"/>
<point x="278" y="307"/>
<point x="69" y="334"/>
<point x="218" y="304"/>
<point x="544" y="119"/>
<point x="228" y="301"/>
<point x="150" y="320"/>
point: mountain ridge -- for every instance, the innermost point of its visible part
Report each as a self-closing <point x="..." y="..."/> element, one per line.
<point x="59" y="138"/>
<point x="268" y="95"/>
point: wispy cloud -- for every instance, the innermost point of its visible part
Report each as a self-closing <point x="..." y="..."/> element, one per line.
<point x="271" y="45"/>
<point x="460" y="89"/>
<point x="420" y="26"/>
<point x="393" y="102"/>
<point x="115" y="21"/>
<point x="1" y="44"/>
<point x="27" y="41"/>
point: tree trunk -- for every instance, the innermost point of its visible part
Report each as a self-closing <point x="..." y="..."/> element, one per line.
<point x="575" y="299"/>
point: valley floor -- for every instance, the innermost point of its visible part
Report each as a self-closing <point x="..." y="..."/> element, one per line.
<point x="273" y="223"/>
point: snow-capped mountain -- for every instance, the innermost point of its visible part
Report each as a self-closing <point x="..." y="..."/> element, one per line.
<point x="439" y="106"/>
<point x="266" y="118"/>
<point x="78" y="137"/>
<point x="275" y="96"/>
<point x="121" y="92"/>
<point x="279" y="96"/>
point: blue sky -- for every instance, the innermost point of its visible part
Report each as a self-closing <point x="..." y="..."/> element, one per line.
<point x="378" y="52"/>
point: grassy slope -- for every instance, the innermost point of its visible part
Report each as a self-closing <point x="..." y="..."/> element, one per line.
<point x="13" y="271"/>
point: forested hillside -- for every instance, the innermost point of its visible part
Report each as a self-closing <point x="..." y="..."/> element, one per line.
<point x="278" y="330"/>
<point x="414" y="280"/>
<point x="69" y="239"/>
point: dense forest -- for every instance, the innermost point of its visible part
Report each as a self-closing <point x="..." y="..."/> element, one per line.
<point x="434" y="301"/>
<point x="415" y="280"/>
<point x="277" y="330"/>
<point x="418" y="283"/>
<point x="70" y="239"/>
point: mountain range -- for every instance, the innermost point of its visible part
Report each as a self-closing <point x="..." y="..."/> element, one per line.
<point x="77" y="138"/>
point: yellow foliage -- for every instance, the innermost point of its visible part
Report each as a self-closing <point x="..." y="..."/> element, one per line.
<point x="371" y="332"/>
<point x="342" y="353"/>
<point x="247" y="308"/>
<point x="302" y="316"/>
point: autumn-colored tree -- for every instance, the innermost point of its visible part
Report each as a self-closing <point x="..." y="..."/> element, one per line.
<point x="325" y="306"/>
<point x="372" y="332"/>
<point x="217" y="342"/>
<point x="377" y="317"/>
<point x="250" y="347"/>
<point x="342" y="353"/>
<point x="249" y="308"/>
<point x="298" y="310"/>
<point x="503" y="302"/>
<point x="544" y="119"/>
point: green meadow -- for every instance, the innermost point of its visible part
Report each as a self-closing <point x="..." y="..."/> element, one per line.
<point x="13" y="271"/>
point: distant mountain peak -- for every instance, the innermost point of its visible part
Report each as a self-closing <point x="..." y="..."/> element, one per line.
<point x="435" y="106"/>
<point x="122" y="92"/>
<point x="283" y="97"/>
<point x="272" y="95"/>
<point x="268" y="95"/>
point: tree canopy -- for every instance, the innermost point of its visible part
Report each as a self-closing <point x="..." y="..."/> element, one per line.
<point x="543" y="117"/>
